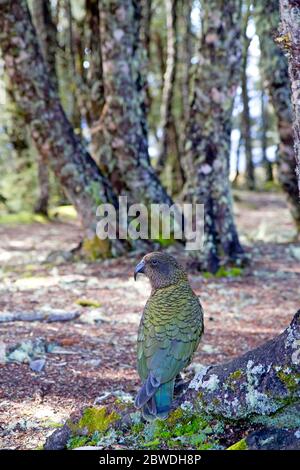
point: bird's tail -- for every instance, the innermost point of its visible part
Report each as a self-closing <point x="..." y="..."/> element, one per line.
<point x="163" y="399"/>
<point x="155" y="399"/>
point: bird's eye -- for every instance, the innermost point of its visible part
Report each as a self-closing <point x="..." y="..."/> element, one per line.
<point x="154" y="262"/>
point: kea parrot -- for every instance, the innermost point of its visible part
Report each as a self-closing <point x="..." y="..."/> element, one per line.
<point x="169" y="333"/>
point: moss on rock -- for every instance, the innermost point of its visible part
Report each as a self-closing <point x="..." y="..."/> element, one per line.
<point x="95" y="248"/>
<point x="94" y="419"/>
<point x="240" y="445"/>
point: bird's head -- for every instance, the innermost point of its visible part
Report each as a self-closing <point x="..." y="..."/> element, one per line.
<point x="161" y="269"/>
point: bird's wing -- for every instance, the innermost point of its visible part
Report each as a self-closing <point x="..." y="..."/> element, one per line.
<point x="165" y="347"/>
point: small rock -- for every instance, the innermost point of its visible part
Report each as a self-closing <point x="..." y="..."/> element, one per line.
<point x="37" y="365"/>
<point x="58" y="439"/>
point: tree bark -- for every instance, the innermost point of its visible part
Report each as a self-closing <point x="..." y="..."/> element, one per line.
<point x="51" y="132"/>
<point x="145" y="35"/>
<point x="95" y="73"/>
<point x="290" y="18"/>
<point x="185" y="52"/>
<point x="46" y="31"/>
<point x="169" y="82"/>
<point x="209" y="129"/>
<point x="246" y="118"/>
<point x="275" y="73"/>
<point x="124" y="158"/>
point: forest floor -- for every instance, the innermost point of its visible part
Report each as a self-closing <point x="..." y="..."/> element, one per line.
<point x="94" y="354"/>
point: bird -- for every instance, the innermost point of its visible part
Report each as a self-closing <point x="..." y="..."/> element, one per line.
<point x="169" y="332"/>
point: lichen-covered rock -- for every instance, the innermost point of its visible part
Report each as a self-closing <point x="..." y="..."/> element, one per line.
<point x="260" y="382"/>
<point x="273" y="439"/>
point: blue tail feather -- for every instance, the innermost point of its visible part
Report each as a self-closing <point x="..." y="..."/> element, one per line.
<point x="159" y="405"/>
<point x="164" y="398"/>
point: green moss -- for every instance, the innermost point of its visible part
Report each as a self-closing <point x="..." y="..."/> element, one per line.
<point x="137" y="428"/>
<point x="291" y="379"/>
<point x="95" y="419"/>
<point x="94" y="248"/>
<point x="240" y="445"/>
<point x="183" y="428"/>
<point x="22" y="218"/>
<point x="88" y="303"/>
<point x="164" y="242"/>
<point x="77" y="441"/>
<point x="152" y="444"/>
<point x="235" y="271"/>
<point x="63" y="212"/>
<point x="237" y="374"/>
<point x="233" y="378"/>
<point x="94" y="191"/>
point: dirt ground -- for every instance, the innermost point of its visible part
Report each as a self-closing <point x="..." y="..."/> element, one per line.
<point x="96" y="352"/>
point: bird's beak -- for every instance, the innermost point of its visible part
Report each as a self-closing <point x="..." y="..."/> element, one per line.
<point x="139" y="269"/>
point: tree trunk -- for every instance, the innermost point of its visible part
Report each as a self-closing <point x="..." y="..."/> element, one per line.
<point x="275" y="73"/>
<point x="185" y="52"/>
<point x="46" y="31"/>
<point x="124" y="157"/>
<point x="290" y="18"/>
<point x="94" y="74"/>
<point x="208" y="133"/>
<point x="47" y="35"/>
<point x="260" y="387"/>
<point x="145" y="35"/>
<point x="169" y="81"/>
<point x="246" y="118"/>
<point x="264" y="139"/>
<point x="75" y="105"/>
<point x="52" y="133"/>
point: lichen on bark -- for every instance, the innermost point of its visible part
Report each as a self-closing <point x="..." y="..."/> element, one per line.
<point x="289" y="39"/>
<point x="274" y="66"/>
<point x="208" y="135"/>
<point x="50" y="129"/>
<point x="124" y="157"/>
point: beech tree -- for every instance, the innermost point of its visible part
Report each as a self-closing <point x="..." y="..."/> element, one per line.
<point x="275" y="74"/>
<point x="290" y="41"/>
<point x="46" y="31"/>
<point x="208" y="133"/>
<point x="169" y="81"/>
<point x="52" y="133"/>
<point x="123" y="155"/>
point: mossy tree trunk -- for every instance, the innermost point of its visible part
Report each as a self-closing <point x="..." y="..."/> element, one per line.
<point x="274" y="68"/>
<point x="290" y="41"/>
<point x="208" y="135"/>
<point x="51" y="132"/>
<point x="46" y="32"/>
<point x="168" y="82"/>
<point x="94" y="89"/>
<point x="124" y="158"/>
